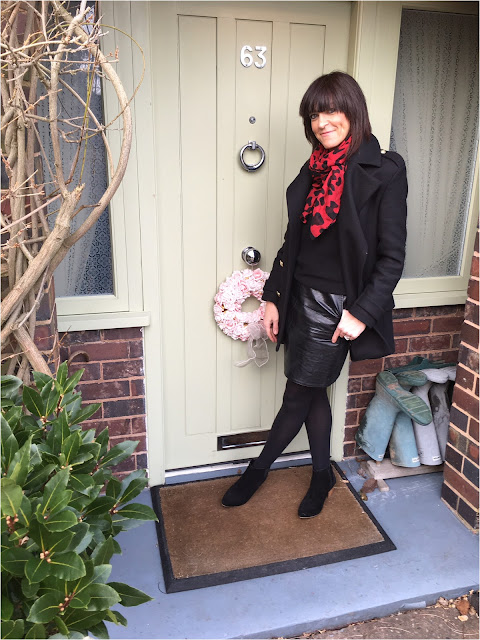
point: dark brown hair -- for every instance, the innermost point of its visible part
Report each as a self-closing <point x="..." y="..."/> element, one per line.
<point x="339" y="91"/>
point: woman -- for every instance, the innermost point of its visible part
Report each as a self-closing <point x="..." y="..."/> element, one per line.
<point x="330" y="288"/>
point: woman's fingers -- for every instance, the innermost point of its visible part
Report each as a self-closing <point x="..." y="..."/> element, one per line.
<point x="270" y="321"/>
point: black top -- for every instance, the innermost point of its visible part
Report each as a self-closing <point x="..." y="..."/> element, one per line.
<point x="318" y="262"/>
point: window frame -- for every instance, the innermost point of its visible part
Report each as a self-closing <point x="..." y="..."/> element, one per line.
<point x="125" y="307"/>
<point x="376" y="28"/>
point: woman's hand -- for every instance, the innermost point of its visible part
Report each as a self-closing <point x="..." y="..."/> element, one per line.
<point x="349" y="327"/>
<point x="270" y="321"/>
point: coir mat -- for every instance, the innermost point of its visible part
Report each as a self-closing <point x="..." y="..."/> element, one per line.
<point x="203" y="543"/>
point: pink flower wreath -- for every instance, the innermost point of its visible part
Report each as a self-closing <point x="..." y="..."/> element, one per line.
<point x="232" y="293"/>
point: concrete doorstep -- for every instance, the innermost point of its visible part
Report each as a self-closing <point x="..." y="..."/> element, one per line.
<point x="445" y="619"/>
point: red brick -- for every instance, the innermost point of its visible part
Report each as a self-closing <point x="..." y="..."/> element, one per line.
<point x="456" y="340"/>
<point x="141" y="461"/>
<point x="475" y="246"/>
<point x="126" y="465"/>
<point x="44" y="337"/>
<point x="106" y="350"/>
<point x="450" y="356"/>
<point x="354" y="385"/>
<point x="366" y="366"/>
<point x="472" y="312"/>
<point x="368" y="383"/>
<point x="80" y="337"/>
<point x="474" y="267"/>
<point x="403" y="313"/>
<point x="349" y="450"/>
<point x="105" y="390"/>
<point x="458" y="418"/>
<point x="473" y="289"/>
<point x="135" y="348"/>
<point x="461" y="485"/>
<point x="392" y="362"/>
<point x="92" y="370"/>
<point x="139" y="425"/>
<point x="127" y="333"/>
<point x="454" y="458"/>
<point x="350" y="434"/>
<point x="98" y="415"/>
<point x="351" y="401"/>
<point x="465" y="378"/>
<point x="452" y="324"/>
<point x="137" y="387"/>
<point x="411" y="327"/>
<point x="470" y="335"/>
<point x="401" y="345"/>
<point x="477" y="387"/>
<point x="120" y="408"/>
<point x="465" y="401"/>
<point x="351" y="418"/>
<point x="445" y="310"/>
<point x="121" y="427"/>
<point x="468" y="357"/>
<point x="123" y="369"/>
<point x="429" y="343"/>
<point x="363" y="399"/>
<point x="472" y="451"/>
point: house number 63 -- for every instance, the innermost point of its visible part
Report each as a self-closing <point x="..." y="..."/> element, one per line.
<point x="246" y="59"/>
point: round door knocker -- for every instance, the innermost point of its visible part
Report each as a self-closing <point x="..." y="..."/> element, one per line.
<point x="253" y="146"/>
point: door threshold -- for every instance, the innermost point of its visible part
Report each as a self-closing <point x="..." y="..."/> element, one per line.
<point x="206" y="472"/>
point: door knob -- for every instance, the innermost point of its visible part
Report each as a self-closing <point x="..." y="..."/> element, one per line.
<point x="251" y="256"/>
<point x="252" y="145"/>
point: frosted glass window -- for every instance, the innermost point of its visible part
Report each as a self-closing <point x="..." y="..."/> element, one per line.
<point x="435" y="129"/>
<point x="87" y="267"/>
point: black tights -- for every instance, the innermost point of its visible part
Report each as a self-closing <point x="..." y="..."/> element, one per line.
<point x="307" y="405"/>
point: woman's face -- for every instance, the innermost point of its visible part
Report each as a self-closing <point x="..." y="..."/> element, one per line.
<point x="330" y="127"/>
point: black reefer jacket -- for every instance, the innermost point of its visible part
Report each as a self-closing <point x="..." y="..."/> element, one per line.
<point x="372" y="224"/>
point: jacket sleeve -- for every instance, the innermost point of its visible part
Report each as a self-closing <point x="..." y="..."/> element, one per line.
<point x="376" y="298"/>
<point x="274" y="283"/>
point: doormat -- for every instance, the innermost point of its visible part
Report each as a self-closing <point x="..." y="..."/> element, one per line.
<point x="203" y="543"/>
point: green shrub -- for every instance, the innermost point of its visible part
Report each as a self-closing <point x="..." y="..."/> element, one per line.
<point x="61" y="510"/>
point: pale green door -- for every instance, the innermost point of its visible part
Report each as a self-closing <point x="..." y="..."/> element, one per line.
<point x="213" y="101"/>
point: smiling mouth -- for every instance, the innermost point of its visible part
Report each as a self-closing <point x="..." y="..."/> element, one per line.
<point x="324" y="133"/>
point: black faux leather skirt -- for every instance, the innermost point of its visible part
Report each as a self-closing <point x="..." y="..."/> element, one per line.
<point x="311" y="358"/>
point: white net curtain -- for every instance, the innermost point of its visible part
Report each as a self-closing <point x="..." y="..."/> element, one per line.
<point x="435" y="129"/>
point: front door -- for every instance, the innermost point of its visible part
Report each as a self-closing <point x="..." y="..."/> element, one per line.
<point x="227" y="73"/>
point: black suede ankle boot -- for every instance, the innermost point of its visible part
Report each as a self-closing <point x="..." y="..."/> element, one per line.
<point x="321" y="485"/>
<point x="244" y="488"/>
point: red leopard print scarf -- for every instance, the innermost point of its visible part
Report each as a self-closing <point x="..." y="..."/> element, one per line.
<point x="328" y="173"/>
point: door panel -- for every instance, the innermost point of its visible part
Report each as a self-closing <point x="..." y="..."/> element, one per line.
<point x="216" y="208"/>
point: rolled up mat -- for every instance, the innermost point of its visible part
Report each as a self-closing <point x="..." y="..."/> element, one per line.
<point x="376" y="426"/>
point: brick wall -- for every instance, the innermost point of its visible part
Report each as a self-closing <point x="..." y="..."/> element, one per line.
<point x="430" y="332"/>
<point x="114" y="376"/>
<point x="460" y="486"/>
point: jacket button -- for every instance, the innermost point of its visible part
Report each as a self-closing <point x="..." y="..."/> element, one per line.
<point x="281" y="263"/>
<point x="278" y="294"/>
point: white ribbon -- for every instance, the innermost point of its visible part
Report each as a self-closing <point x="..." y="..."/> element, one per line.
<point x="257" y="349"/>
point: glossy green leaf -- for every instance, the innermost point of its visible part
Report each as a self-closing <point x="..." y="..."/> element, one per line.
<point x="52" y="401"/>
<point x="13" y="629"/>
<point x="9" y="444"/>
<point x="44" y="609"/>
<point x="7" y="608"/>
<point x="37" y="477"/>
<point x="99" y="506"/>
<point x="129" y="596"/>
<point x="29" y="590"/>
<point x="99" y="631"/>
<point x="54" y="542"/>
<point x="61" y="521"/>
<point x="81" y="482"/>
<point x="61" y="626"/>
<point x="117" y="618"/>
<point x="119" y="452"/>
<point x="80" y="601"/>
<point x="19" y="467"/>
<point x="82" y="537"/>
<point x="12" y="497"/>
<point x="62" y="373"/>
<point x="72" y="382"/>
<point x="25" y="511"/>
<point x="101" y="596"/>
<point x="33" y="401"/>
<point x="68" y="566"/>
<point x="103" y="552"/>
<point x="36" y="570"/>
<point x="13" y="416"/>
<point x="80" y="619"/>
<point x="88" y="436"/>
<point x="114" y="488"/>
<point x="36" y="631"/>
<point x="10" y="385"/>
<point x="85" y="413"/>
<point x="137" y="511"/>
<point x="14" y="560"/>
<point x="71" y="446"/>
<point x="103" y="440"/>
<point x="41" y="379"/>
<point x="54" y="493"/>
<point x="133" y="489"/>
